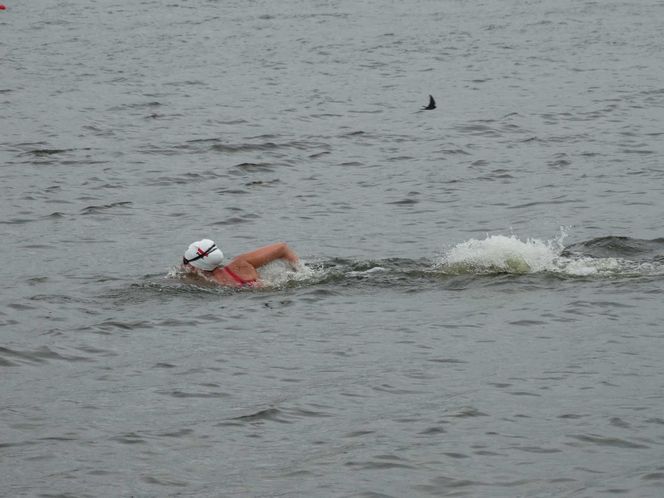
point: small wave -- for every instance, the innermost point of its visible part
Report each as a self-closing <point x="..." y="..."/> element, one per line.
<point x="48" y="152"/>
<point x="613" y="246"/>
<point x="272" y="414"/>
<point x="105" y="207"/>
<point x="13" y="357"/>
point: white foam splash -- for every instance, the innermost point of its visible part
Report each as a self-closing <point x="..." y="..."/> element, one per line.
<point x="375" y="269"/>
<point x="279" y="273"/>
<point x="509" y="254"/>
<point x="500" y="253"/>
<point x="174" y="272"/>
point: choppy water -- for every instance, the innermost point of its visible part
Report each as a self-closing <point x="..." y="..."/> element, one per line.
<point x="481" y="304"/>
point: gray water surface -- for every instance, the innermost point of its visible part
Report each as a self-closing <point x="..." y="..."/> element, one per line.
<point x="480" y="307"/>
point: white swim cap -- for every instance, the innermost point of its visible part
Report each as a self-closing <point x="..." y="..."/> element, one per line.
<point x="204" y="255"/>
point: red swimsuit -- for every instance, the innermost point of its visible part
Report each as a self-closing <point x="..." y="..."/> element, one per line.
<point x="238" y="279"/>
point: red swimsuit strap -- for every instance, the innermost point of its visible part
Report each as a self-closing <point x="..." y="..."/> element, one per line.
<point x="237" y="277"/>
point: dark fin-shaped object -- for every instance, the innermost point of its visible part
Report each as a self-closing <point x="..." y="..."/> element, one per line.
<point x="432" y="104"/>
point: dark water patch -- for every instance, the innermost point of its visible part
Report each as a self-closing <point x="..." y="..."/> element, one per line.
<point x="387" y="388"/>
<point x="524" y="393"/>
<point x="185" y="178"/>
<point x="637" y="151"/>
<point x="233" y="122"/>
<point x="453" y="152"/>
<point x="498" y="174"/>
<point x="404" y="202"/>
<point x="136" y="105"/>
<point x="177" y="323"/>
<point x="164" y="365"/>
<point x="233" y="191"/>
<point x="60" y="438"/>
<point x="18" y="221"/>
<point x="431" y="431"/>
<point x="105" y="207"/>
<point x="527" y="323"/>
<point x="455" y="455"/>
<point x="262" y="183"/>
<point x="380" y="462"/>
<point x="36" y="356"/>
<point x="355" y="434"/>
<point x="559" y="163"/>
<point x="487" y="453"/>
<point x="545" y="203"/>
<point x="254" y="168"/>
<point x="172" y="150"/>
<point x="57" y="299"/>
<point x="618" y="422"/>
<point x="478" y="129"/>
<point x="5" y="362"/>
<point x="536" y="449"/>
<point x="447" y="360"/>
<point x="533" y="139"/>
<point x="616" y="246"/>
<point x="129" y="438"/>
<point x="99" y="472"/>
<point x="500" y="385"/>
<point x="56" y="215"/>
<point x="303" y="413"/>
<point x="65" y="495"/>
<point x="653" y="476"/>
<point x="264" y="415"/>
<point x="468" y="412"/>
<point x="97" y="351"/>
<point x="188" y="394"/>
<point x="371" y="494"/>
<point x="164" y="481"/>
<point x="608" y="441"/>
<point x="443" y="485"/>
<point x="236" y="220"/>
<point x="109" y="326"/>
<point x="48" y="152"/>
<point x="176" y="434"/>
<point x="259" y="147"/>
<point x="17" y="444"/>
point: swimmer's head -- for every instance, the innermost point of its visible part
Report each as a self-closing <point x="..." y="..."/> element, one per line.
<point x="204" y="255"/>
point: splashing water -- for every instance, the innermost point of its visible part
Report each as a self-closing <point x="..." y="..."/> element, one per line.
<point x="273" y="275"/>
<point x="279" y="273"/>
<point x="503" y="254"/>
<point x="509" y="254"/>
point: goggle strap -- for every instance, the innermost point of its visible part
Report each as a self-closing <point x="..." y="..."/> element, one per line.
<point x="212" y="248"/>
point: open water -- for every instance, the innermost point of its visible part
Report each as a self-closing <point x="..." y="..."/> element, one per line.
<point x="480" y="308"/>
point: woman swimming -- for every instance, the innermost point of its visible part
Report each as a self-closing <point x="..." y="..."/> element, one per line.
<point x="205" y="258"/>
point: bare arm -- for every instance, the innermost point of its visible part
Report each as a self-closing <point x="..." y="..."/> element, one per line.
<point x="267" y="254"/>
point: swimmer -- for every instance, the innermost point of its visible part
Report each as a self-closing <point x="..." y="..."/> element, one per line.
<point x="205" y="258"/>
